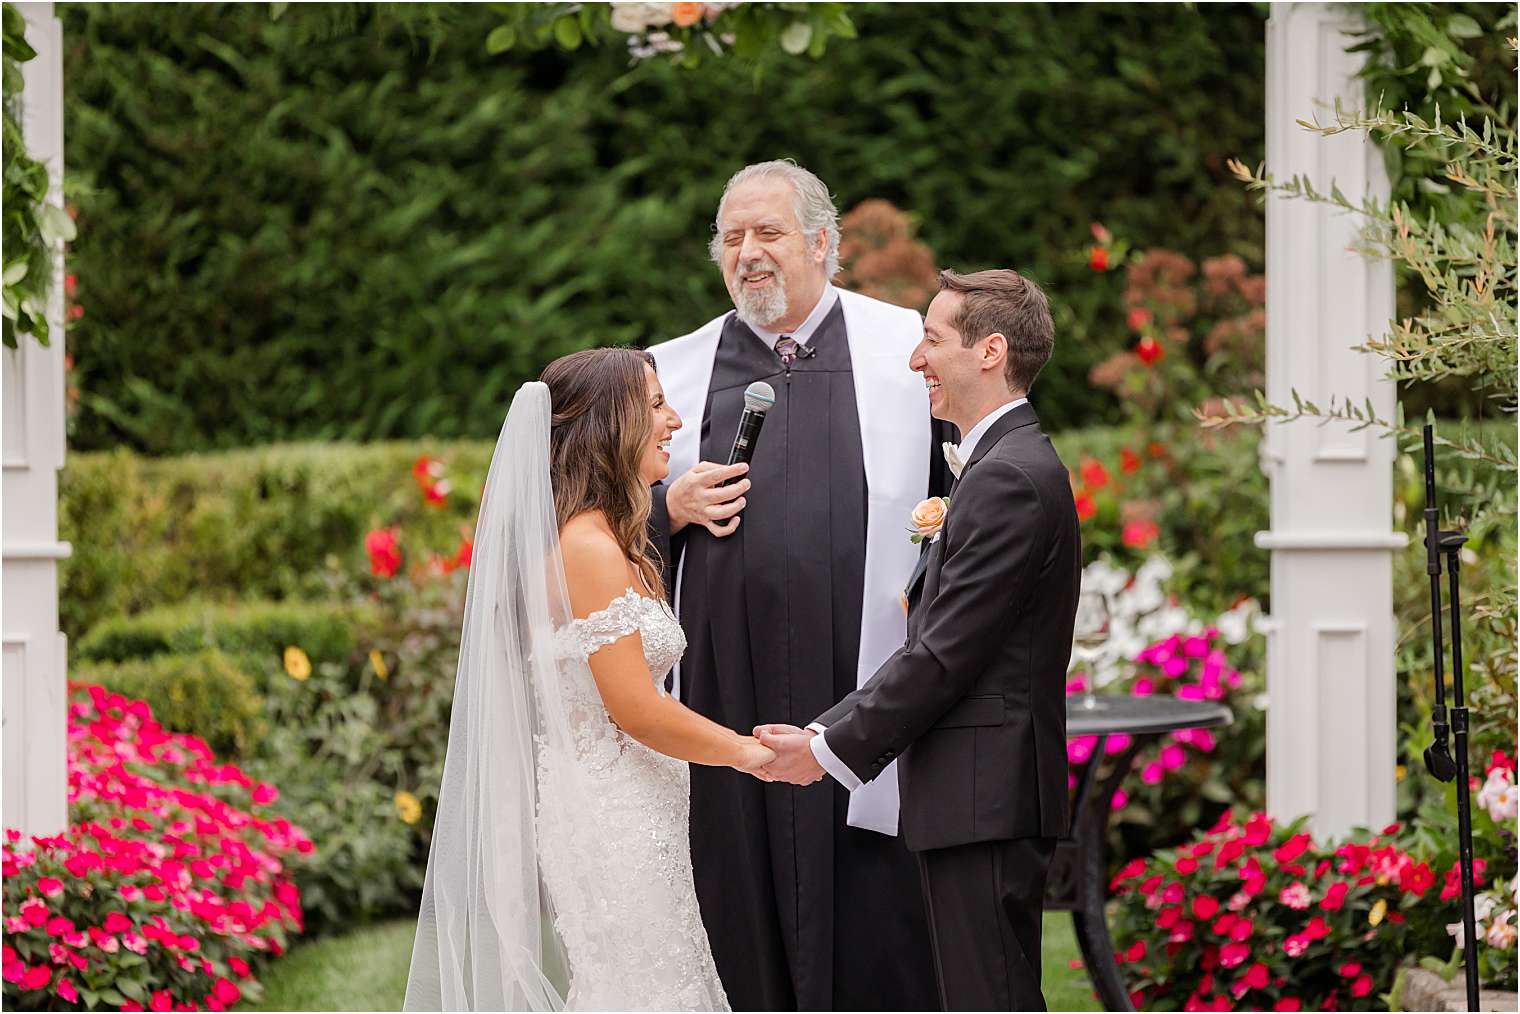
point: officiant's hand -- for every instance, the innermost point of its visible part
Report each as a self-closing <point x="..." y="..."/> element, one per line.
<point x="794" y="761"/>
<point x="699" y="497"/>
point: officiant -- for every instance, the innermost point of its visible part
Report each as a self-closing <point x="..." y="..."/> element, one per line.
<point x="788" y="584"/>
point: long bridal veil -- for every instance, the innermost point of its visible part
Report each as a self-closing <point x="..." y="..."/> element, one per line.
<point x="485" y="932"/>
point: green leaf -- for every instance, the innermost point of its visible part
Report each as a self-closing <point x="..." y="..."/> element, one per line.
<point x="132" y="988"/>
<point x="1434" y="56"/>
<point x="55" y="224"/>
<point x="567" y="32"/>
<point x="112" y="997"/>
<point x="501" y="39"/>
<point x="1460" y="26"/>
<point x="15" y="272"/>
<point x="276" y="11"/>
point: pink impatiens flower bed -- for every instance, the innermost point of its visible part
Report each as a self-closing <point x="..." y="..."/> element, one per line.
<point x="169" y="888"/>
<point x="1255" y="915"/>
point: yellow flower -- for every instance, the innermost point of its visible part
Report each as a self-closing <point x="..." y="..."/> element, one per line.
<point x="408" y="808"/>
<point x="1378" y="911"/>
<point x="297" y="664"/>
<point x="1399" y="772"/>
<point x="378" y="661"/>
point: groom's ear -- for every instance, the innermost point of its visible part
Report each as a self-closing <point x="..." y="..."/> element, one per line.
<point x="994" y="352"/>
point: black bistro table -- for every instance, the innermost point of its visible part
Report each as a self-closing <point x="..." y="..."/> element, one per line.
<point x="1078" y="879"/>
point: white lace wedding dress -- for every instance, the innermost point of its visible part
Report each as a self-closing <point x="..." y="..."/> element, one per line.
<point x="619" y="872"/>
<point x="559" y="871"/>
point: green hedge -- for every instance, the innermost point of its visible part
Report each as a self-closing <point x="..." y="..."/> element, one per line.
<point x="326" y="631"/>
<point x="267" y="523"/>
<point x="291" y="233"/>
<point x="207" y="694"/>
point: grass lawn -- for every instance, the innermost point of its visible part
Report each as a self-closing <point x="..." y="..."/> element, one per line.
<point x="366" y="970"/>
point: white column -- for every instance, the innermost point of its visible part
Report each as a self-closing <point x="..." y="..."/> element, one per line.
<point x="1330" y="663"/>
<point x="31" y="450"/>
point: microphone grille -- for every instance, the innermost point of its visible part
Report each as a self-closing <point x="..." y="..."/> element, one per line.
<point x="759" y="396"/>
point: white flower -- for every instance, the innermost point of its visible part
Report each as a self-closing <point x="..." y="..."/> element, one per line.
<point x="1502" y="933"/>
<point x="1124" y="641"/>
<point x="1235" y="625"/>
<point x="634" y="18"/>
<point x="1140" y="598"/>
<point x="1500" y="796"/>
<point x="1454" y="930"/>
<point x="1101" y="576"/>
<point x="1163" y="623"/>
<point x="1156" y="568"/>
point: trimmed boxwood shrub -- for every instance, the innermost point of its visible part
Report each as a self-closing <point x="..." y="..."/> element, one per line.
<point x="206" y="694"/>
<point x="325" y="631"/>
<point x="267" y="523"/>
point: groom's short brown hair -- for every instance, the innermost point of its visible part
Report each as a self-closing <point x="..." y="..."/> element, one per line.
<point x="1006" y="302"/>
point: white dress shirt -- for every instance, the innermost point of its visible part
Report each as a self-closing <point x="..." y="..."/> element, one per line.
<point x="820" y="746"/>
<point x="804" y="330"/>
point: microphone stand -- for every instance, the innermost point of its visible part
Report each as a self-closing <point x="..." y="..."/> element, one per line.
<point x="1438" y="757"/>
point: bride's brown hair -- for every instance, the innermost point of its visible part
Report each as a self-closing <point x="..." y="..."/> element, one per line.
<point x="598" y="434"/>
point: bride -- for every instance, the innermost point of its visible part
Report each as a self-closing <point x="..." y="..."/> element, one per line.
<point x="560" y="871"/>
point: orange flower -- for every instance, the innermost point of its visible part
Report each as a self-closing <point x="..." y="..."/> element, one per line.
<point x="686" y="15"/>
<point x="1097" y="259"/>
<point x="1087" y="507"/>
<point x="1150" y="351"/>
<point x="1129" y="461"/>
<point x="929" y="517"/>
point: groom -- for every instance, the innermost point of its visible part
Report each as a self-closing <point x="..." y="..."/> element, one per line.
<point x="974" y="701"/>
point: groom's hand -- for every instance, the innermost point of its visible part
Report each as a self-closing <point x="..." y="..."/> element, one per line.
<point x="794" y="761"/>
<point x="699" y="497"/>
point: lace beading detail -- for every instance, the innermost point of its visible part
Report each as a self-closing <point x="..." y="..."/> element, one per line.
<point x="664" y="640"/>
<point x="613" y="829"/>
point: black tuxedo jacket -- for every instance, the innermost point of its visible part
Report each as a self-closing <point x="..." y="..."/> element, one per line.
<point x="974" y="703"/>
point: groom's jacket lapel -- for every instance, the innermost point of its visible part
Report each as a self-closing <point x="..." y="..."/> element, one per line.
<point x="1018" y="418"/>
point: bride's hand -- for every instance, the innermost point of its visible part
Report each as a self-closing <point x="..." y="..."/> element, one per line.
<point x="753" y="756"/>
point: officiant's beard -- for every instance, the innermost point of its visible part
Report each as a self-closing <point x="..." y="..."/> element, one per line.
<point x="761" y="308"/>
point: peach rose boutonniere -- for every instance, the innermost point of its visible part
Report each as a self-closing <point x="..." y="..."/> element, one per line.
<point x="929" y="519"/>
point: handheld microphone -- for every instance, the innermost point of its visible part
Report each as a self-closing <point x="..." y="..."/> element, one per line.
<point x="758" y="399"/>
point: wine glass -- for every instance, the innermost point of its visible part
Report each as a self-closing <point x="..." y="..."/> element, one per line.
<point x="1089" y="639"/>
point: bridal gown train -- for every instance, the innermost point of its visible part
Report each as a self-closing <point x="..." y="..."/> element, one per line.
<point x="618" y="865"/>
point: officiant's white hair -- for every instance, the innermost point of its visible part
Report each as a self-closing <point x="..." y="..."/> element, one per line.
<point x="811" y="201"/>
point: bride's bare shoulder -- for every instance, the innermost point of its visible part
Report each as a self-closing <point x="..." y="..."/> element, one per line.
<point x="595" y="565"/>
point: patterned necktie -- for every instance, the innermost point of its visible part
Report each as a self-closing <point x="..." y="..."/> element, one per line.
<point x="786" y="348"/>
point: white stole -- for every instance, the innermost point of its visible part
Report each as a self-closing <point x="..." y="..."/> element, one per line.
<point x="893" y="406"/>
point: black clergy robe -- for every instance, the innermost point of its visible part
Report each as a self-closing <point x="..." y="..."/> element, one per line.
<point x="803" y="911"/>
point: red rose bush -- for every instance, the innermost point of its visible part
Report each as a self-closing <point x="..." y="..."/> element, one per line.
<point x="168" y="889"/>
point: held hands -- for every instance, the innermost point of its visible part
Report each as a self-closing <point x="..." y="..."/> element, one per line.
<point x="753" y="757"/>
<point x="699" y="497"/>
<point x="794" y="761"/>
